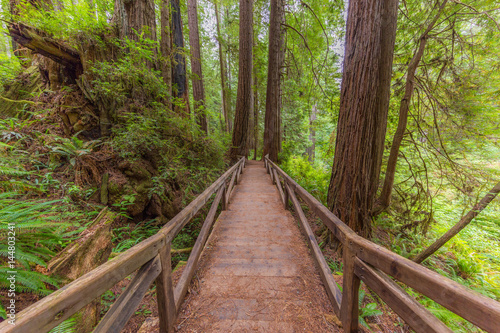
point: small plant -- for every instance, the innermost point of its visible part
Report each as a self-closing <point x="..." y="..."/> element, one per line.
<point x="38" y="233"/>
<point x="78" y="153"/>
<point x="126" y="238"/>
<point x="370" y="310"/>
<point x="107" y="299"/>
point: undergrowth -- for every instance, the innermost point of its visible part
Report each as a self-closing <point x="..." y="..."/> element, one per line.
<point x="471" y="258"/>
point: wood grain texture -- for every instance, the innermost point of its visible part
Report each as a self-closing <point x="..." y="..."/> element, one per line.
<point x="331" y="287"/>
<point x="124" y="307"/>
<point x="412" y="312"/>
<point x="183" y="283"/>
<point x="165" y="292"/>
<point x="280" y="188"/>
<point x="349" y="309"/>
<point x="63" y="303"/>
<point x="474" y="307"/>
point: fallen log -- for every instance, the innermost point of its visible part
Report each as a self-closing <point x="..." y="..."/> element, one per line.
<point x="40" y="42"/>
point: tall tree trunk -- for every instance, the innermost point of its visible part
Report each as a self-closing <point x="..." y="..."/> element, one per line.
<point x="271" y="121"/>
<point x="230" y="113"/>
<point x="198" y="89"/>
<point x="365" y="92"/>
<point x="255" y="112"/>
<point x="385" y="196"/>
<point x="310" y="151"/>
<point x="179" y="77"/>
<point x="464" y="221"/>
<point x="166" y="48"/>
<point x="244" y="96"/>
<point x="134" y="17"/>
<point x="223" y="73"/>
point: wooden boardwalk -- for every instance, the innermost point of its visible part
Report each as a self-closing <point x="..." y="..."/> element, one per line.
<point x="256" y="274"/>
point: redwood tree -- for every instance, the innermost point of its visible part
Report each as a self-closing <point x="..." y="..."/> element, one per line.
<point x="244" y="96"/>
<point x="364" y="101"/>
<point x="198" y="89"/>
<point x="271" y="120"/>
<point x="166" y="45"/>
<point x="179" y="77"/>
<point x="133" y="16"/>
<point x="223" y="74"/>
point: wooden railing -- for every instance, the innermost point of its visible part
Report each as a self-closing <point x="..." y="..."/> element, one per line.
<point x="152" y="260"/>
<point x="368" y="262"/>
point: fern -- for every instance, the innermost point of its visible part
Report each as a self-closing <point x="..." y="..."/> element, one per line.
<point x="39" y="233"/>
<point x="67" y="326"/>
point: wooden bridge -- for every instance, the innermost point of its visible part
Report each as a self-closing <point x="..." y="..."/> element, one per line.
<point x="258" y="272"/>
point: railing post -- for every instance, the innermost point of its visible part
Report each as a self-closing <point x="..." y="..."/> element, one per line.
<point x="287" y="195"/>
<point x="165" y="292"/>
<point x="349" y="310"/>
<point x="224" y="199"/>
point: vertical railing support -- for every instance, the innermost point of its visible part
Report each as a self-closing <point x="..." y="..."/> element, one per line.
<point x="165" y="292"/>
<point x="349" y="310"/>
<point x="287" y="195"/>
<point x="224" y="197"/>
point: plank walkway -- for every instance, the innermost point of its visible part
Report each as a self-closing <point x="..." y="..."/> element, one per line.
<point x="256" y="274"/>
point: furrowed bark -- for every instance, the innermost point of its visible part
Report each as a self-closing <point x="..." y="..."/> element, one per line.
<point x="244" y="97"/>
<point x="198" y="88"/>
<point x="40" y="42"/>
<point x="365" y="92"/>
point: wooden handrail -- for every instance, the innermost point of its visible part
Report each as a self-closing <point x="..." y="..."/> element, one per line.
<point x="150" y="256"/>
<point x="360" y="253"/>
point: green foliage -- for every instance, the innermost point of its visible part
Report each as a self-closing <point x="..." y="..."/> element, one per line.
<point x="313" y="178"/>
<point x="69" y="19"/>
<point x="9" y="69"/>
<point x="370" y="310"/>
<point x="38" y="233"/>
<point x="67" y="326"/>
<point x="127" y="236"/>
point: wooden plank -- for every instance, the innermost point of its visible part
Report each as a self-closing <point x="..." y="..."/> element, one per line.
<point x="331" y="287"/>
<point x="65" y="302"/>
<point x="412" y="312"/>
<point x="238" y="173"/>
<point x="349" y="310"/>
<point x="124" y="307"/>
<point x="280" y="189"/>
<point x="224" y="203"/>
<point x="172" y="228"/>
<point x="183" y="283"/>
<point x="476" y="308"/>
<point x="165" y="292"/>
<point x="287" y="196"/>
<point x="230" y="188"/>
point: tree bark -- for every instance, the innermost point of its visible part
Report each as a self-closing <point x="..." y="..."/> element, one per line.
<point x="39" y="42"/>
<point x="223" y="73"/>
<point x="312" y="134"/>
<point x="132" y="16"/>
<point x="255" y="112"/>
<point x="198" y="89"/>
<point x="365" y="92"/>
<point x="464" y="221"/>
<point x="179" y="77"/>
<point x="244" y="96"/>
<point x="166" y="48"/>
<point x="271" y="120"/>
<point x="385" y="196"/>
